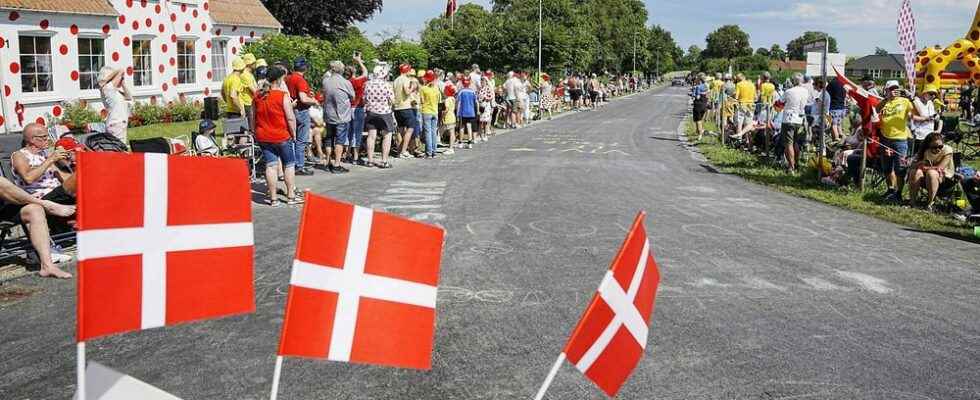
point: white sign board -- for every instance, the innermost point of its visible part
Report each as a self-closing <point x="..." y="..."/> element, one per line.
<point x="814" y="60"/>
<point x="102" y="383"/>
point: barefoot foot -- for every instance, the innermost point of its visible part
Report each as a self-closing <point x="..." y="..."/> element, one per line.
<point x="54" y="272"/>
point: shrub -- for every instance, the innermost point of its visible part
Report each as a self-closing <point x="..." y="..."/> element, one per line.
<point x="77" y="114"/>
<point x="317" y="52"/>
<point x="149" y="114"/>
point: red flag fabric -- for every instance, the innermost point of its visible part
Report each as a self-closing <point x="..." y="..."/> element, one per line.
<point x="363" y="287"/>
<point x="450" y="8"/>
<point x="609" y="340"/>
<point x="160" y="243"/>
<point x="866" y="101"/>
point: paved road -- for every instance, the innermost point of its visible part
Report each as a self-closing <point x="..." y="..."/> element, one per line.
<point x="764" y="296"/>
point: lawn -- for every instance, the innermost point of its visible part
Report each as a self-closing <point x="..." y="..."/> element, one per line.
<point x="171" y="130"/>
<point x="870" y="202"/>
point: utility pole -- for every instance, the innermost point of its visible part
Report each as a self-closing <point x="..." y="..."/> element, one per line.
<point x="540" y="34"/>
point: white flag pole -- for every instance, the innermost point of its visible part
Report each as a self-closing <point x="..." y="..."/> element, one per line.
<point x="275" y="378"/>
<point x="551" y="377"/>
<point x="80" y="373"/>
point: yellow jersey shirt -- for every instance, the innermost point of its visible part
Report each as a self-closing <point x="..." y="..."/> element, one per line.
<point x="248" y="83"/>
<point x="231" y="84"/>
<point x="767" y="93"/>
<point x="895" y="117"/>
<point x="745" y="92"/>
<point x="403" y="99"/>
<point x="430" y="100"/>
<point x="449" y="116"/>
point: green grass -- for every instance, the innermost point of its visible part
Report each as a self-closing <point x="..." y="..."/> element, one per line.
<point x="869" y="202"/>
<point x="171" y="130"/>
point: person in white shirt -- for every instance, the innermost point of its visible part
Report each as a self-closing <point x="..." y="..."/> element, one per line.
<point x="791" y="133"/>
<point x="511" y="87"/>
<point x="204" y="141"/>
<point x="476" y="78"/>
<point x="925" y="123"/>
<point x="116" y="98"/>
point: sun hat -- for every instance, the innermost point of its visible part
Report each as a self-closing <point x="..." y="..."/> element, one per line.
<point x="261" y="63"/>
<point x="105" y="72"/>
<point x="249" y="58"/>
<point x="205" y="125"/>
<point x="237" y="64"/>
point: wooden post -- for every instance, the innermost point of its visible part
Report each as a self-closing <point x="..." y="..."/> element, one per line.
<point x="864" y="163"/>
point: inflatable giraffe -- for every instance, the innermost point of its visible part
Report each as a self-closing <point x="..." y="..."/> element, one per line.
<point x="932" y="61"/>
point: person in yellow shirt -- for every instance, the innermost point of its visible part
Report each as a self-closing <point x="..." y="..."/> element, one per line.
<point x="404" y="87"/>
<point x="449" y="117"/>
<point x="745" y="95"/>
<point x="249" y="86"/>
<point x="231" y="89"/>
<point x="430" y="112"/>
<point x="895" y="113"/>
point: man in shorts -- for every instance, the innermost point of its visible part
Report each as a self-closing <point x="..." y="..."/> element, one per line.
<point x="838" y="108"/>
<point x="16" y="205"/>
<point x="791" y="134"/>
<point x="338" y="113"/>
<point x="404" y="87"/>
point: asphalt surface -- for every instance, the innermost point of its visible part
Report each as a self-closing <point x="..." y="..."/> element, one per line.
<point x="763" y="295"/>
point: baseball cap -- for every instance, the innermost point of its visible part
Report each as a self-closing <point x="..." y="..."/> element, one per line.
<point x="450" y="91"/>
<point x="249" y="58"/>
<point x="892" y="84"/>
<point x="300" y="63"/>
<point x="237" y="64"/>
<point x="405" y="68"/>
<point x="429" y="76"/>
<point x="205" y="125"/>
<point x="261" y="63"/>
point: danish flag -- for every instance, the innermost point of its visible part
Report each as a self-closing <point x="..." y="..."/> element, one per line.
<point x="160" y="242"/>
<point x="363" y="287"/>
<point x="609" y="341"/>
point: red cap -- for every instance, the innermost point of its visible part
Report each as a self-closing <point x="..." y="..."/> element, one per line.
<point x="429" y="76"/>
<point x="545" y="77"/>
<point x="69" y="144"/>
<point x="405" y="68"/>
<point x="450" y="91"/>
<point x="465" y="82"/>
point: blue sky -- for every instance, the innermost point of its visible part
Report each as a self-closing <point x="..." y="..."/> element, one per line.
<point x="858" y="25"/>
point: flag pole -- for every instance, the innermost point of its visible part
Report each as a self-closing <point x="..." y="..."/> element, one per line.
<point x="540" y="35"/>
<point x="275" y="378"/>
<point x="551" y="376"/>
<point x="80" y="372"/>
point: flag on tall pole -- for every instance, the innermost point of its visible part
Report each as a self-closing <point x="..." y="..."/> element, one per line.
<point x="906" y="39"/>
<point x="451" y="8"/>
<point x="610" y="338"/>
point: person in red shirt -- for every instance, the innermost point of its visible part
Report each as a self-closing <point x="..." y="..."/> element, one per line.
<point x="275" y="131"/>
<point x="357" y="123"/>
<point x="302" y="96"/>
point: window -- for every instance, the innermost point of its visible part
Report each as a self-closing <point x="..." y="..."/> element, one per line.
<point x="91" y="58"/>
<point x="142" y="63"/>
<point x="185" y="61"/>
<point x="875" y="73"/>
<point x="898" y="74"/>
<point x="219" y="68"/>
<point x="35" y="63"/>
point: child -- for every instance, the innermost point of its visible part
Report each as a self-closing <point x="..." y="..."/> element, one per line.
<point x="449" y="118"/>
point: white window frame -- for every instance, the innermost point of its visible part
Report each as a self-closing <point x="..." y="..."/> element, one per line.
<point x="22" y="55"/>
<point x="95" y="61"/>
<point x="219" y="59"/>
<point x="186" y="62"/>
<point x="147" y="70"/>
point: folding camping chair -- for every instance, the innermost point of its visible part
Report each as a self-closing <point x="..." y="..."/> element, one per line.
<point x="241" y="143"/>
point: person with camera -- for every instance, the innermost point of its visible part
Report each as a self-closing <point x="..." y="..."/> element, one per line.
<point x="926" y="122"/>
<point x="894" y="114"/>
<point x="932" y="165"/>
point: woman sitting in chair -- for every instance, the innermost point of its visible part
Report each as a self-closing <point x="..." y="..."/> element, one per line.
<point x="932" y="165"/>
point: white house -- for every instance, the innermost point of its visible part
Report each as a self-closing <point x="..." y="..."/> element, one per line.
<point x="51" y="50"/>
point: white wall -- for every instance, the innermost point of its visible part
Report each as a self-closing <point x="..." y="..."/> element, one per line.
<point x="176" y="20"/>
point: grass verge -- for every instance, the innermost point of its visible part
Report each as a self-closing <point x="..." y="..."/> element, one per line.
<point x="870" y="202"/>
<point x="170" y="130"/>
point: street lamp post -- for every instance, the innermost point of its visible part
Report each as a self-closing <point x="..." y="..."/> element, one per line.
<point x="540" y="34"/>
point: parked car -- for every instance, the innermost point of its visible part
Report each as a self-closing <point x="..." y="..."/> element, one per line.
<point x="678" y="82"/>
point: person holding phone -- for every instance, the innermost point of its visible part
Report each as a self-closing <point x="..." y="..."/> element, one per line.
<point x="895" y="112"/>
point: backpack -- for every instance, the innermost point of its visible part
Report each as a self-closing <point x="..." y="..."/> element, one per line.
<point x="105" y="142"/>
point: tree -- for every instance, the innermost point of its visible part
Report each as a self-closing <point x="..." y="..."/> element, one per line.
<point x="762" y="51"/>
<point x="324" y="19"/>
<point x="729" y="41"/>
<point x="880" y="51"/>
<point x="397" y="50"/>
<point x="777" y="53"/>
<point x="795" y="47"/>
<point x="691" y="58"/>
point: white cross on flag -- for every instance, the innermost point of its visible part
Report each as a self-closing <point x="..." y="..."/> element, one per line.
<point x="608" y="342"/>
<point x="363" y="287"/>
<point x="161" y="240"/>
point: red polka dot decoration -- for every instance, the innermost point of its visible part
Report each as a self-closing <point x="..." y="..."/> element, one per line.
<point x="204" y="27"/>
<point x="44" y="24"/>
<point x="206" y="44"/>
<point x="143" y="3"/>
<point x="1" y="120"/>
<point x="115" y="56"/>
<point x="122" y="19"/>
<point x="6" y="90"/>
<point x="204" y="58"/>
<point x="14" y="67"/>
<point x="206" y="6"/>
<point x="210" y="75"/>
<point x="1" y="42"/>
<point x="129" y="71"/>
<point x="74" y="75"/>
<point x="234" y="50"/>
<point x="63" y="49"/>
<point x="251" y="34"/>
<point x="40" y="121"/>
<point x="149" y="23"/>
<point x="14" y="15"/>
<point x="56" y="111"/>
<point x="105" y="29"/>
<point x="187" y="27"/>
<point x="241" y="39"/>
<point x="183" y="8"/>
<point x="164" y="47"/>
<point x="104" y="113"/>
<point x="173" y="61"/>
<point x="136" y="25"/>
<point x="165" y="87"/>
<point x="161" y="28"/>
<point x="126" y="41"/>
<point x="173" y="38"/>
<point x="207" y="91"/>
<point x="129" y="3"/>
<point x="157" y="9"/>
<point x="73" y="29"/>
<point x="173" y="17"/>
<point x="194" y="13"/>
<point x="160" y="68"/>
<point x="217" y="32"/>
<point x="174" y="81"/>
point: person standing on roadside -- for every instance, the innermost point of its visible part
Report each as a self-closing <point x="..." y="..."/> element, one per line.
<point x="449" y="117"/>
<point x="378" y="98"/>
<point x="358" y="78"/>
<point x="337" y="97"/>
<point x="116" y="98"/>
<point x="275" y="130"/>
<point x="791" y="134"/>
<point x="838" y="108"/>
<point x="895" y="112"/>
<point x="966" y="101"/>
<point x="700" y="98"/>
<point x="430" y="112"/>
<point x="404" y="87"/>
<point x="466" y="112"/>
<point x="302" y="96"/>
<point x="249" y="86"/>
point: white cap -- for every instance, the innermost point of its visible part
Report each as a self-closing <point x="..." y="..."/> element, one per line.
<point x="892" y="84"/>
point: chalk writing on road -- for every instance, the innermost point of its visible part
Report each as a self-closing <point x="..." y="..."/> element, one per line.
<point x="416" y="200"/>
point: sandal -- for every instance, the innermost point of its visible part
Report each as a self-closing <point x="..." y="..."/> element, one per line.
<point x="273" y="203"/>
<point x="294" y="201"/>
<point x="384" y="165"/>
